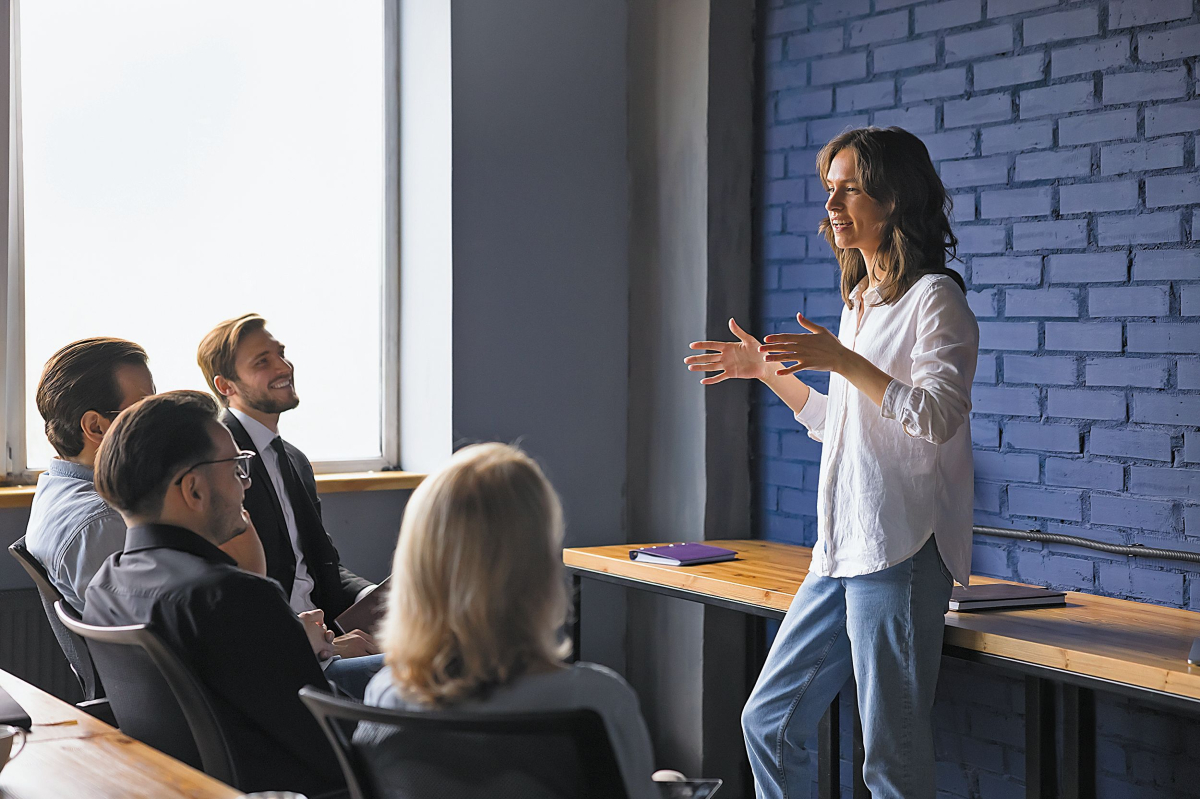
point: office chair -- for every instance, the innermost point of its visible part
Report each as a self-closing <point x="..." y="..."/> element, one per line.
<point x="155" y="696"/>
<point x="73" y="647"/>
<point x="410" y="754"/>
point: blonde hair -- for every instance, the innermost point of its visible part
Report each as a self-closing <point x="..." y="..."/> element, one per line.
<point x="477" y="591"/>
<point x="217" y="353"/>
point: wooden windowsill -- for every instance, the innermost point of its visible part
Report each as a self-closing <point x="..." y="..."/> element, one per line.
<point x="334" y="482"/>
<point x="367" y="481"/>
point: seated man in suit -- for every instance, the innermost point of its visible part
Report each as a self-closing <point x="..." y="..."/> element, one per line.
<point x="71" y="529"/>
<point x="175" y="474"/>
<point x="246" y="369"/>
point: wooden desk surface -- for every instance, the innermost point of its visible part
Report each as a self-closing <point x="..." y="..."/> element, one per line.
<point x="1140" y="644"/>
<point x="72" y="754"/>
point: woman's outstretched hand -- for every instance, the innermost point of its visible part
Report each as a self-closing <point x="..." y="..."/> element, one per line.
<point x="819" y="350"/>
<point x="740" y="359"/>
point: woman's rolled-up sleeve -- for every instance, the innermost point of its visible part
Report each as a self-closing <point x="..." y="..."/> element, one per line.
<point x="944" y="357"/>
<point x="812" y="415"/>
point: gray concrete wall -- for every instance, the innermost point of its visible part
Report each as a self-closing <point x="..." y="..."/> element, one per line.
<point x="690" y="90"/>
<point x="540" y="198"/>
<point x="668" y="102"/>
<point x="540" y="232"/>
<point x="365" y="526"/>
<point x="727" y="672"/>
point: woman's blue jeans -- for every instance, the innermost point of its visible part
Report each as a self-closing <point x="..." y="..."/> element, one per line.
<point x="885" y="629"/>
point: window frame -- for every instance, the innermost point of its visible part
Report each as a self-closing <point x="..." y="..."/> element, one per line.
<point x="14" y="468"/>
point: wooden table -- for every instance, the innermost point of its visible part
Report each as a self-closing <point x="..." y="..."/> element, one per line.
<point x="1091" y="643"/>
<point x="72" y="754"/>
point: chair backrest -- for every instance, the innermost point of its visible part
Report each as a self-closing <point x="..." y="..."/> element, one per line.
<point x="154" y="695"/>
<point x="73" y="647"/>
<point x="413" y="754"/>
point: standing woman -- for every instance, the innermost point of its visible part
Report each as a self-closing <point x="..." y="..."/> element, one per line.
<point x="896" y="481"/>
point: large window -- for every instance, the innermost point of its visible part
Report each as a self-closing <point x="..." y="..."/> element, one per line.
<point x="185" y="162"/>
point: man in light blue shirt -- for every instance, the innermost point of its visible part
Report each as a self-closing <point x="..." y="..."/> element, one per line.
<point x="71" y="529"/>
<point x="83" y="388"/>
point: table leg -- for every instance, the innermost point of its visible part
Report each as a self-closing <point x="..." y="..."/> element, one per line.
<point x="756" y="650"/>
<point x="829" y="751"/>
<point x="858" y="786"/>
<point x="756" y="656"/>
<point x="577" y="616"/>
<point x="1040" y="767"/>
<point x="1079" y="742"/>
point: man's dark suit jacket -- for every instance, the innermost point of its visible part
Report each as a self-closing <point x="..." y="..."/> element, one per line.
<point x="334" y="586"/>
<point x="240" y="637"/>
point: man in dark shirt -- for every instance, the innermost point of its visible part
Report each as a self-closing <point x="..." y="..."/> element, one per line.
<point x="173" y="471"/>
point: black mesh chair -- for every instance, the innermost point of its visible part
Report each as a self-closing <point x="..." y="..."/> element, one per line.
<point x="73" y="647"/>
<point x="407" y="754"/>
<point x="154" y="695"/>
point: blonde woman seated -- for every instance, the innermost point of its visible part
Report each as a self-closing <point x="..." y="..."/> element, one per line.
<point x="477" y="605"/>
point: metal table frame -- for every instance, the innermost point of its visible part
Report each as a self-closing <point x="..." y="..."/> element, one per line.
<point x="1042" y="760"/>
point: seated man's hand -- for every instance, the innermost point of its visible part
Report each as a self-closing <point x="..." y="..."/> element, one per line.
<point x="320" y="638"/>
<point x="355" y="643"/>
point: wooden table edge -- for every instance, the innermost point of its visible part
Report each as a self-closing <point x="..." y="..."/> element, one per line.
<point x="167" y="771"/>
<point x="1182" y="682"/>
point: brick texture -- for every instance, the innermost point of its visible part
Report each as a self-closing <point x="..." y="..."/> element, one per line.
<point x="1067" y="133"/>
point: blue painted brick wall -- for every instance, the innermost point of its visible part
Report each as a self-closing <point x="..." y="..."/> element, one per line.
<point x="1066" y="133"/>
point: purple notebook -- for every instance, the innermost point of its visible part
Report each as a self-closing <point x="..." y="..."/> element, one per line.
<point x="683" y="554"/>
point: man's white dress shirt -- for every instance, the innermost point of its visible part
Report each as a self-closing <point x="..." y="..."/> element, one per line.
<point x="892" y="476"/>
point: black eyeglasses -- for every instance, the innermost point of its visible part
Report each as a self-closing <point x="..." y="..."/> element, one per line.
<point x="243" y="465"/>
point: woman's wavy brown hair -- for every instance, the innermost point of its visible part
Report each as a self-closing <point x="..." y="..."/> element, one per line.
<point x="895" y="170"/>
<point x="477" y="592"/>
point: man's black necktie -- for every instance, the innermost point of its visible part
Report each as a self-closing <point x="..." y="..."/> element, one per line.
<point x="302" y="507"/>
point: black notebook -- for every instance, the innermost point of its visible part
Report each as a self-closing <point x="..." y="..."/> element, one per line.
<point x="11" y="712"/>
<point x="1003" y="595"/>
<point x="366" y="613"/>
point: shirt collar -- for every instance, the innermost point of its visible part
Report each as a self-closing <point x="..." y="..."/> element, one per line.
<point x="156" y="535"/>
<point x="870" y="296"/>
<point x="260" y="434"/>
<point x="61" y="468"/>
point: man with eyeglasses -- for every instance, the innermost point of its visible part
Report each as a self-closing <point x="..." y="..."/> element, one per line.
<point x="71" y="529"/>
<point x="178" y="479"/>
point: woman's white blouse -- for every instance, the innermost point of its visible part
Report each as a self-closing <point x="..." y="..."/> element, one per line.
<point x="892" y="476"/>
